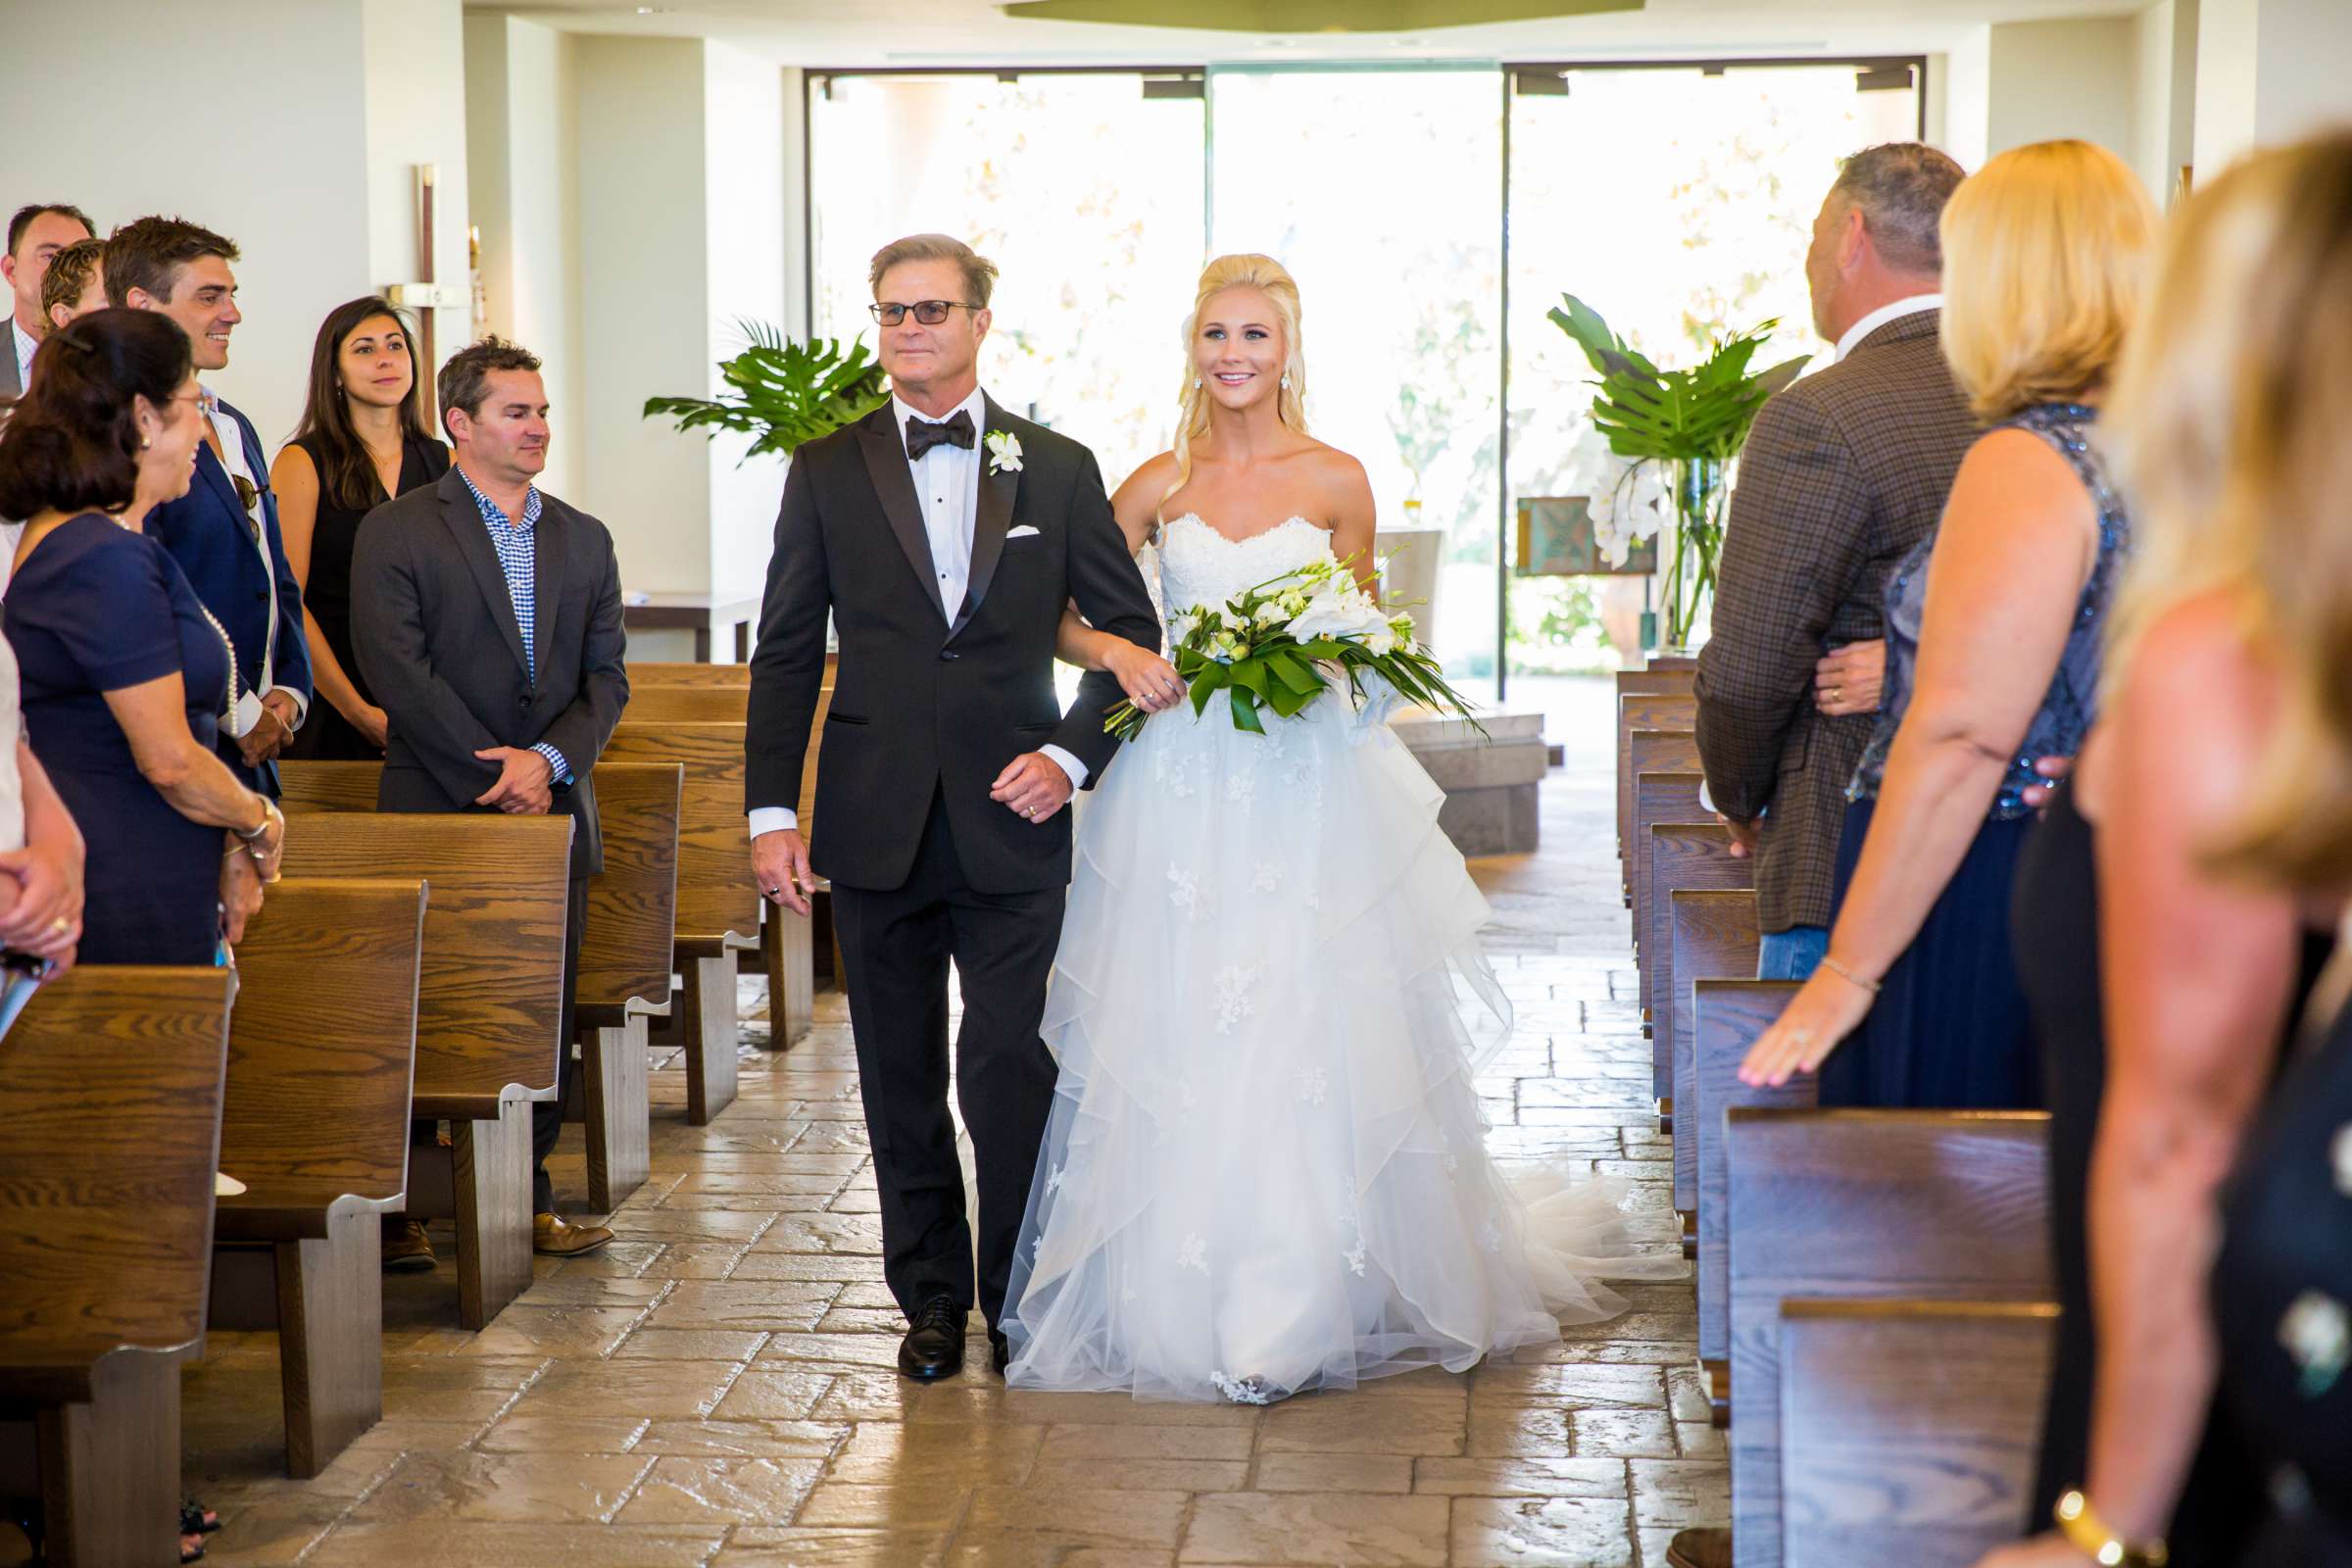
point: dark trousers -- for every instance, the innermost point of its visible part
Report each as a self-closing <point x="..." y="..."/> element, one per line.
<point x="897" y="947"/>
<point x="547" y="1116"/>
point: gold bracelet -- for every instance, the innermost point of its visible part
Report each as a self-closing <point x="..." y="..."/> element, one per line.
<point x="2079" y="1523"/>
<point x="1849" y="975"/>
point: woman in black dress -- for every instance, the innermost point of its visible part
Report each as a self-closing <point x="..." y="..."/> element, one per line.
<point x="361" y="441"/>
<point x="2163" y="981"/>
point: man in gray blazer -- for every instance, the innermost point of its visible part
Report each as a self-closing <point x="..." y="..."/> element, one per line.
<point x="486" y="617"/>
<point x="36" y="232"/>
<point x="1842" y="475"/>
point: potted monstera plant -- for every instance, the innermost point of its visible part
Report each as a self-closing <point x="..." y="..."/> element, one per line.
<point x="1689" y="422"/>
<point x="781" y="393"/>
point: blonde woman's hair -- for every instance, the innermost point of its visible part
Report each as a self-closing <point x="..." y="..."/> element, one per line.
<point x="2046" y="251"/>
<point x="1270" y="279"/>
<point x="2227" y="424"/>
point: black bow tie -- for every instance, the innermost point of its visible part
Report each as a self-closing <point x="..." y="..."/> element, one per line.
<point x="922" y="435"/>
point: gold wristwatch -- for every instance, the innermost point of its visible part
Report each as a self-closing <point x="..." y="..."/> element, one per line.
<point x="2079" y="1523"/>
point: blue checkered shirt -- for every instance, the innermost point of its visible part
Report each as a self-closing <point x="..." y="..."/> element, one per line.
<point x="516" y="544"/>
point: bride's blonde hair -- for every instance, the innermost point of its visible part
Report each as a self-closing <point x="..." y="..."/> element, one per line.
<point x="1272" y="279"/>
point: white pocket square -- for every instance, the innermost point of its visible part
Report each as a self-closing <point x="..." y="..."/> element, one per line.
<point x="1024" y="531"/>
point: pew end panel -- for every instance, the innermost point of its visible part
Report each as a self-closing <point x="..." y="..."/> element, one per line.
<point x="1696" y="856"/>
<point x="1651" y="712"/>
<point x="1908" y="1428"/>
<point x="626" y="957"/>
<point x="1713" y="936"/>
<point x="1666" y="789"/>
<point x="1728" y="1016"/>
<point x="105" y="1252"/>
<point x="1863" y="1204"/>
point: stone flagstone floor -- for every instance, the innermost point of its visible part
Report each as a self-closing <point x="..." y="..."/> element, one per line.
<point x="717" y="1387"/>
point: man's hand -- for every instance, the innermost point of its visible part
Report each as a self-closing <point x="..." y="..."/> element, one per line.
<point x="46" y="918"/>
<point x="525" y="782"/>
<point x="1032" y="786"/>
<point x="1850" y="679"/>
<point x="270" y="732"/>
<point x="1746" y="836"/>
<point x="780" y="868"/>
<point x="2053" y="768"/>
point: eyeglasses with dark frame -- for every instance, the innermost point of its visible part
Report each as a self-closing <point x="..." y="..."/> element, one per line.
<point x="928" y="312"/>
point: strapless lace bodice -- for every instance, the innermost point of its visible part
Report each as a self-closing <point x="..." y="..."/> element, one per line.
<point x="1198" y="566"/>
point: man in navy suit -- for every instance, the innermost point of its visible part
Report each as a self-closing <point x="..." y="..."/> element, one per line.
<point x="224" y="532"/>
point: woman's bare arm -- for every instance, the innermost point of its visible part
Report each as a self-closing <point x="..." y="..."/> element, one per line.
<point x="295" y="478"/>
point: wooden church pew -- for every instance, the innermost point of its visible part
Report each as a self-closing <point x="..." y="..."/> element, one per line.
<point x="1908" y="1428"/>
<point x="718" y="907"/>
<point x="1682" y="855"/>
<point x="657" y="672"/>
<point x="489" y="1012"/>
<point x="110" y="1096"/>
<point x="1666" y="789"/>
<point x="316" y="1125"/>
<point x="1865" y="1204"/>
<point x="1713" y="937"/>
<point x="626" y="958"/>
<point x="1727" y="1018"/>
<point x="688" y="705"/>
<point x="630" y="929"/>
<point x="1659" y="712"/>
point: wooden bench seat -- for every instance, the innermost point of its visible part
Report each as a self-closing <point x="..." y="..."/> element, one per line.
<point x="111" y="1085"/>
<point x="1635" y="712"/>
<point x="662" y="673"/>
<point x="489" y="1011"/>
<point x="1726" y="1018"/>
<point x="1666" y="789"/>
<point x="317" y="1127"/>
<point x="1713" y="936"/>
<point x="1690" y="855"/>
<point x="688" y="705"/>
<point x="718" y="907"/>
<point x="1861" y="1205"/>
<point x="1909" y="1428"/>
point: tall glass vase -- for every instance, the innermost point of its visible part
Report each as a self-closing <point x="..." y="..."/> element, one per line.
<point x="1698" y="501"/>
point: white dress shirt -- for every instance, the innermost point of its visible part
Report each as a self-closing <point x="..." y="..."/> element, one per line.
<point x="25" y="343"/>
<point x="232" y="458"/>
<point x="1883" y="314"/>
<point x="947" y="487"/>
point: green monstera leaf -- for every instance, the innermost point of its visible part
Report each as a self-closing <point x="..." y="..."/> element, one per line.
<point x="783" y="393"/>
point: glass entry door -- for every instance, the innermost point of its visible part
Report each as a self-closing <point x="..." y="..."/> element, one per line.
<point x="1380" y="190"/>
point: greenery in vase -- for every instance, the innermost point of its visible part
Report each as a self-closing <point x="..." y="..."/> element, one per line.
<point x="782" y="392"/>
<point x="1692" y="421"/>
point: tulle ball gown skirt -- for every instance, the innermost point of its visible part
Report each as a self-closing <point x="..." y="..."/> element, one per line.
<point x="1265" y="1171"/>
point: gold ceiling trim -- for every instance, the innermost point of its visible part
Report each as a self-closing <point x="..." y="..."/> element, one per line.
<point x="1310" y="16"/>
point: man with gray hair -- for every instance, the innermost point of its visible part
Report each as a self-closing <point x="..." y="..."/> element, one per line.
<point x="1842" y="474"/>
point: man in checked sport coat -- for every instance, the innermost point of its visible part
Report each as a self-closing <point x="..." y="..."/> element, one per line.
<point x="944" y="536"/>
<point x="1842" y="474"/>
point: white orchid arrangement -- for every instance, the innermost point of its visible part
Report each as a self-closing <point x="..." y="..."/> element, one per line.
<point x="1264" y="645"/>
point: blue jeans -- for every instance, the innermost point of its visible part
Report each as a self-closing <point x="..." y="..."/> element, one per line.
<point x="1793" y="953"/>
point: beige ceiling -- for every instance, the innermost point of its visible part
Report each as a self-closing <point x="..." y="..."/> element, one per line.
<point x="978" y="32"/>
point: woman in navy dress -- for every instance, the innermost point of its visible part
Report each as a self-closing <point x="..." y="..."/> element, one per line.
<point x="1992" y="650"/>
<point x="124" y="674"/>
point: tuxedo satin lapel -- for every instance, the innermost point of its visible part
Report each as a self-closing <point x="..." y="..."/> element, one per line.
<point x="993" y="519"/>
<point x="886" y="465"/>
<point x="473" y="535"/>
<point x="549" y="548"/>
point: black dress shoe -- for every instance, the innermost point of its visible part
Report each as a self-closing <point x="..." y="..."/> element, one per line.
<point x="999" y="1352"/>
<point x="933" y="1348"/>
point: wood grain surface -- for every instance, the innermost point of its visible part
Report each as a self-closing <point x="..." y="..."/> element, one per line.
<point x="110" y="1089"/>
<point x="626" y="951"/>
<point x="1949" y="1205"/>
<point x="715" y="900"/>
<point x="490" y="993"/>
<point x="1713" y="937"/>
<point x="1908" y="1428"/>
<point x="1727" y="1018"/>
<point x="1666" y="789"/>
<point x="1682" y="855"/>
<point x="1637" y="711"/>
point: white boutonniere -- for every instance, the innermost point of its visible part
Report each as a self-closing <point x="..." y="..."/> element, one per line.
<point x="1004" y="452"/>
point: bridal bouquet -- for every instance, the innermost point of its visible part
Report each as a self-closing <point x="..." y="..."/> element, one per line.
<point x="1262" y="648"/>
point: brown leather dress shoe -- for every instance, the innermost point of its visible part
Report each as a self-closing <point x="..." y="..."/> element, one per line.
<point x="407" y="1248"/>
<point x="554" y="1237"/>
<point x="1710" y="1547"/>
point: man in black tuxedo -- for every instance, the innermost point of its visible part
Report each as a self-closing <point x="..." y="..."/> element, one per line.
<point x="486" y="617"/>
<point x="945" y="537"/>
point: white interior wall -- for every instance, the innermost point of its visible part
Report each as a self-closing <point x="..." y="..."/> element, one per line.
<point x="2051" y="79"/>
<point x="277" y="171"/>
<point x="645" y="311"/>
<point x="1960" y="108"/>
<point x="2268" y="71"/>
<point x="744" y="185"/>
<point x="412" y="52"/>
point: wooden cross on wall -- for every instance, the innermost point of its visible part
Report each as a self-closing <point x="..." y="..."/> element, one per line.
<point x="427" y="294"/>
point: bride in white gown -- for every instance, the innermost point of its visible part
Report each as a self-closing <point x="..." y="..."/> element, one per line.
<point x="1265" y="1170"/>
